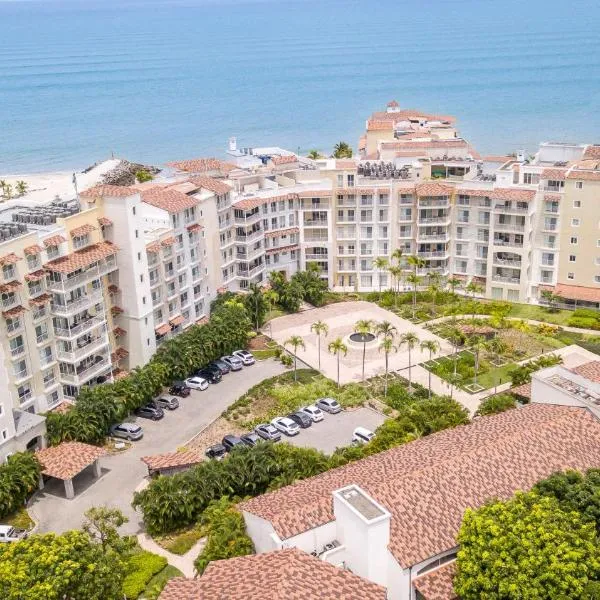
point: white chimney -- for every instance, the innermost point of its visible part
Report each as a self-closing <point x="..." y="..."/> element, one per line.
<point x="232" y="144"/>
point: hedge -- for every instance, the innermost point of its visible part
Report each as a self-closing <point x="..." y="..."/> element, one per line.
<point x="143" y="566"/>
<point x="19" y="477"/>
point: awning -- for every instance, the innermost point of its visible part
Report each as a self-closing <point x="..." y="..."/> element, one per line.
<point x="9" y="259"/>
<point x="119" y="332"/>
<point x="154" y="247"/>
<point x="14" y="312"/>
<point x="36" y="275"/>
<point x="178" y="320"/>
<point x="55" y="240"/>
<point x="194" y="227"/>
<point x="41" y="300"/>
<point x="116" y="310"/>
<point x="33" y="250"/>
<point x="162" y="329"/>
<point x="82" y="230"/>
<point x="168" y="241"/>
<point x="82" y="259"/>
<point x="11" y="286"/>
<point x="104" y="221"/>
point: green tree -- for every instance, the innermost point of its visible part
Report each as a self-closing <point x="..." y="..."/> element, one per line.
<point x="22" y="187"/>
<point x="102" y="524"/>
<point x="527" y="547"/>
<point x="19" y="477"/>
<point x="396" y="273"/>
<point x="387" y="346"/>
<point x="256" y="305"/>
<point x="319" y="327"/>
<point x="272" y="298"/>
<point x="338" y="348"/>
<point x="410" y="340"/>
<point x="363" y="327"/>
<point x="380" y="263"/>
<point x="453" y="283"/>
<point x="313" y="286"/>
<point x="473" y="288"/>
<point x="433" y="347"/>
<point x="314" y="154"/>
<point x="342" y="150"/>
<point x="295" y="341"/>
<point x="8" y="191"/>
<point x="550" y="298"/>
<point x="492" y="405"/>
<point x="477" y="346"/>
<point x="291" y="296"/>
<point x="143" y="175"/>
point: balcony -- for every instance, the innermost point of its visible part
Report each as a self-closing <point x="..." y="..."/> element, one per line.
<point x="512" y="209"/>
<point x="434" y="237"/>
<point x="156" y="300"/>
<point x="248" y="273"/>
<point x="509" y="226"/>
<point x="40" y="339"/>
<point x="556" y="189"/>
<point x="47" y="360"/>
<point x="83" y="350"/>
<point x="315" y="222"/>
<point x="442" y="220"/>
<point x="248" y="219"/>
<point x="250" y="253"/>
<point x="154" y="281"/>
<point x="435" y="254"/>
<point x="14" y="327"/>
<point x="82" y="327"/>
<point x="77" y="305"/>
<point x="405" y="217"/>
<point x="514" y="263"/>
<point x="405" y="234"/>
<point x="21" y="375"/>
<point x="508" y="243"/>
<point x="506" y="279"/>
<point x="83" y="375"/>
<point x="551" y="208"/>
<point x="69" y="283"/>
<point x="11" y="301"/>
<point x="346" y="219"/>
<point x="313" y="256"/>
<point x="250" y="237"/>
<point x="169" y="273"/>
<point x="434" y="203"/>
<point x="17" y="351"/>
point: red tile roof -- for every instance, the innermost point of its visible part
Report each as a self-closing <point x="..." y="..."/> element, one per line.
<point x="14" y="312"/>
<point x="515" y="194"/>
<point x="170" y="200"/>
<point x="194" y="227"/>
<point x="55" y="240"/>
<point x="11" y="286"/>
<point x="379" y="125"/>
<point x="9" y="259"/>
<point x="437" y="584"/>
<point x="111" y="191"/>
<point x="427" y="484"/>
<point x="153" y="247"/>
<point x="522" y="390"/>
<point x="62" y="407"/>
<point x="284" y="249"/>
<point x="577" y="292"/>
<point x="554" y="174"/>
<point x="589" y="370"/>
<point x="36" y="275"/>
<point x="40" y="300"/>
<point x="553" y="197"/>
<point x="33" y="250"/>
<point x="393" y="104"/>
<point x="116" y="310"/>
<point x="119" y="332"/>
<point x="409" y="113"/>
<point x="434" y="189"/>
<point x="119" y="354"/>
<point x="288" y="574"/>
<point x="82" y="230"/>
<point x="68" y="459"/>
<point x="211" y="184"/>
<point x="284" y="160"/>
<point x="162" y="329"/>
<point x="418" y="145"/>
<point x="104" y="221"/>
<point x="280" y="232"/>
<point x="168" y="241"/>
<point x="203" y="165"/>
<point x="249" y="203"/>
<point x="313" y="194"/>
<point x="80" y="259"/>
<point x="171" y="460"/>
<point x="496" y="158"/>
<point x="584" y="175"/>
<point x="345" y="163"/>
<point x="592" y="152"/>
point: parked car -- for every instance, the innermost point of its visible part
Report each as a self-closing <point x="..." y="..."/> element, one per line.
<point x="150" y="411"/>
<point x="329" y="405"/>
<point x="267" y="432"/>
<point x="301" y="419"/>
<point x="231" y="441"/>
<point x="245" y="356"/>
<point x="196" y="383"/>
<point x="362" y="435"/>
<point x="211" y="375"/>
<point x="250" y="439"/>
<point x="233" y="362"/>
<point x="316" y="414"/>
<point x="169" y="402"/>
<point x="221" y="365"/>
<point x="180" y="389"/>
<point x="217" y="452"/>
<point x="8" y="533"/>
<point x="127" y="431"/>
<point x="286" y="425"/>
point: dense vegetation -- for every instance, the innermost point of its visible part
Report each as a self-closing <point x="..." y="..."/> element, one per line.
<point x="19" y="477"/>
<point x="493" y="405"/>
<point x="522" y="373"/>
<point x="100" y="407"/>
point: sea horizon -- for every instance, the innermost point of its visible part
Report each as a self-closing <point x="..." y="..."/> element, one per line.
<point x="83" y="80"/>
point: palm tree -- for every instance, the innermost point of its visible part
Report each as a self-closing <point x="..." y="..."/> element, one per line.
<point x="411" y="340"/>
<point x="387" y="345"/>
<point x="434" y="289"/>
<point x="456" y="338"/>
<point x="414" y="280"/>
<point x="477" y="345"/>
<point x="8" y="189"/>
<point x="21" y="187"/>
<point x="453" y="283"/>
<point x="380" y="263"/>
<point x="415" y="262"/>
<point x="255" y="301"/>
<point x="272" y="297"/>
<point x="397" y="255"/>
<point x="320" y="327"/>
<point x="396" y="273"/>
<point x="363" y="327"/>
<point x="295" y="341"/>
<point x="338" y="347"/>
<point x="385" y="329"/>
<point x="314" y="154"/>
<point x="432" y="346"/>
<point x="342" y="150"/>
<point x="473" y="289"/>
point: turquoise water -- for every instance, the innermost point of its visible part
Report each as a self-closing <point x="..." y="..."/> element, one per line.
<point x="158" y="81"/>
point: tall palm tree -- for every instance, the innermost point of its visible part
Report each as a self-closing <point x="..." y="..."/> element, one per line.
<point x="414" y="281"/>
<point x="363" y="327"/>
<point x="415" y="262"/>
<point x="397" y="255"/>
<point x="342" y="150"/>
<point x="255" y="301"/>
<point x="410" y="339"/>
<point x="473" y="288"/>
<point x="272" y="297"/>
<point x="380" y="263"/>
<point x="385" y="329"/>
<point x="295" y="341"/>
<point x="434" y="289"/>
<point x="477" y="345"/>
<point x="453" y="283"/>
<point x="396" y="273"/>
<point x="456" y="338"/>
<point x="320" y="327"/>
<point x="314" y="154"/>
<point x="387" y="345"/>
<point x="338" y="347"/>
<point x="432" y="346"/>
<point x="21" y="187"/>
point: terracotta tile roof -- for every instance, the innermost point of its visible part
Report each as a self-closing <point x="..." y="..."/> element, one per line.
<point x="280" y="232"/>
<point x="577" y="292"/>
<point x="434" y="189"/>
<point x="584" y="175"/>
<point x="113" y="289"/>
<point x="119" y="332"/>
<point x="153" y="247"/>
<point x="284" y="160"/>
<point x="554" y="174"/>
<point x="14" y="312"/>
<point x="41" y="300"/>
<point x="116" y="310"/>
<point x="194" y="227"/>
<point x="172" y="459"/>
<point x="104" y="221"/>
<point x="427" y="484"/>
<point x="589" y="370"/>
<point x="119" y="354"/>
<point x="119" y="374"/>
<point x="11" y="286"/>
<point x="362" y="142"/>
<point x="36" y="275"/>
<point x="202" y="320"/>
<point x="33" y="250"/>
<point x="416" y="145"/>
<point x="168" y="241"/>
<point x="162" y="329"/>
<point x="522" y="390"/>
<point x="516" y="194"/>
<point x="170" y="200"/>
<point x="345" y="163"/>
<point x="474" y="154"/>
<point x="284" y="249"/>
<point x="409" y="113"/>
<point x="254" y="202"/>
<point x="112" y="191"/>
<point x="68" y="459"/>
<point x="82" y="230"/>
<point x="553" y="197"/>
<point x="496" y="158"/>
<point x="9" y="259"/>
<point x="379" y="125"/>
<point x="211" y="184"/>
<point x="55" y="240"/>
<point x="290" y="574"/>
<point x="202" y="165"/>
<point x="592" y="152"/>
<point x="80" y="259"/>
<point x="313" y="194"/>
<point x="437" y="584"/>
<point x="178" y="320"/>
<point x="393" y="104"/>
<point x="408" y="154"/>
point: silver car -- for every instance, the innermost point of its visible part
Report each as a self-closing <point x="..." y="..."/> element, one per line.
<point x="127" y="431"/>
<point x="330" y="405"/>
<point x="233" y="362"/>
<point x="245" y="356"/>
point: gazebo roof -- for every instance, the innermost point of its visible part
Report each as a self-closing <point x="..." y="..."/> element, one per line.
<point x="68" y="459"/>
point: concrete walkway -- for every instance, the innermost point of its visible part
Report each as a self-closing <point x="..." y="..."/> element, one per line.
<point x="185" y="562"/>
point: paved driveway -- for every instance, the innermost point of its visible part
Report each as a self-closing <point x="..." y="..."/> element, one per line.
<point x="123" y="473"/>
<point x="336" y="430"/>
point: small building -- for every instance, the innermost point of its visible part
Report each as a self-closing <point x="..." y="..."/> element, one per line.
<point x="171" y="462"/>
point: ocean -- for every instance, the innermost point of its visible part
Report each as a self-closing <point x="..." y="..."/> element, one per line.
<point x="154" y="81"/>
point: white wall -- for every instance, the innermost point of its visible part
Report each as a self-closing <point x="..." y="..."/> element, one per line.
<point x="261" y="532"/>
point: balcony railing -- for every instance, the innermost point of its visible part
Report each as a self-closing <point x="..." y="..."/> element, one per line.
<point x="435" y="254"/>
<point x="17" y="351"/>
<point x="47" y="359"/>
<point x="436" y="220"/>
<point x="248" y="219"/>
<point x="250" y="272"/>
<point x="69" y="283"/>
<point x="14" y="327"/>
<point x="251" y="253"/>
<point x="506" y="279"/>
<point x="505" y="262"/>
<point x="250" y="237"/>
<point x="77" y="305"/>
<point x="554" y="188"/>
<point x="315" y="222"/>
<point x="156" y="300"/>
<point x="83" y="375"/>
<point x="434" y="237"/>
<point x="434" y="203"/>
<point x="514" y="244"/>
<point x="82" y="351"/>
<point x="313" y="256"/>
<point x="82" y="327"/>
<point x="10" y="301"/>
<point x="40" y="339"/>
<point x="512" y="209"/>
<point x="509" y="226"/>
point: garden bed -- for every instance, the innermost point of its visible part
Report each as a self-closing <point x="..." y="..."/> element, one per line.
<point x="180" y="542"/>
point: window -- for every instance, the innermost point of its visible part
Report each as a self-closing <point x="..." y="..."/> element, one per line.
<point x="4" y="434"/>
<point x="572" y="258"/>
<point x="574" y="241"/>
<point x="141" y="279"/>
<point x="143" y="299"/>
<point x="570" y="275"/>
<point x="576" y="203"/>
<point x="8" y="271"/>
<point x="597" y="278"/>
<point x="139" y="256"/>
<point x="133" y="210"/>
<point x="574" y="222"/>
<point x="531" y="178"/>
<point x="350" y="180"/>
<point x="579" y="185"/>
<point x="340" y="180"/>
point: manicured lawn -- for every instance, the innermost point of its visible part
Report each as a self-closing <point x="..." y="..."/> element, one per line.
<point x="540" y="313"/>
<point x="180" y="542"/>
<point x="158" y="582"/>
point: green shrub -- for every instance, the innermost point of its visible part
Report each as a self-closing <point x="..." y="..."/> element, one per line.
<point x="522" y="374"/>
<point x="493" y="405"/>
<point x="142" y="567"/>
<point x="584" y="322"/>
<point x="587" y="313"/>
<point x="157" y="583"/>
<point x="19" y="477"/>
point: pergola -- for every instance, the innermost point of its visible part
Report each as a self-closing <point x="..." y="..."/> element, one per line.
<point x="67" y="460"/>
<point x="171" y="462"/>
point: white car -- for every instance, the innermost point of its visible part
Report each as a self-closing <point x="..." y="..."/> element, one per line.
<point x="245" y="356"/>
<point x="233" y="362"/>
<point x="286" y="426"/>
<point x="362" y="435"/>
<point x="316" y="414"/>
<point x="330" y="405"/>
<point x="8" y="533"/>
<point x="196" y="383"/>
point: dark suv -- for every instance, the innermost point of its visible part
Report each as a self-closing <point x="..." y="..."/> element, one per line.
<point x="150" y="411"/>
<point x="211" y="375"/>
<point x="232" y="441"/>
<point x="179" y="389"/>
<point x="221" y="365"/>
<point x="301" y="418"/>
<point x="217" y="452"/>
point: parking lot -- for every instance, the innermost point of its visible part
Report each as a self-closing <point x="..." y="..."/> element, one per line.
<point x="335" y="430"/>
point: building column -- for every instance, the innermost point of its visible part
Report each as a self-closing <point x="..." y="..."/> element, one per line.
<point x="97" y="469"/>
<point x="69" y="491"/>
<point x="41" y="482"/>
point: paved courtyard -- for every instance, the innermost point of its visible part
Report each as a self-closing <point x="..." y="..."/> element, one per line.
<point x="341" y="319"/>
